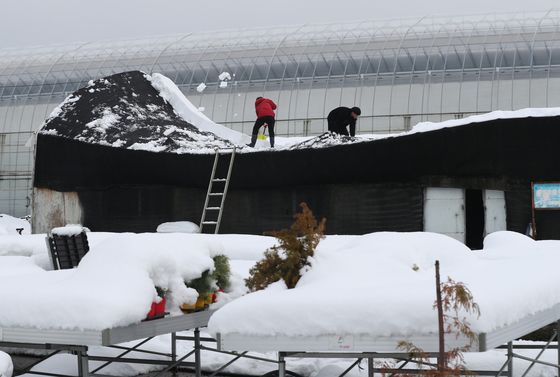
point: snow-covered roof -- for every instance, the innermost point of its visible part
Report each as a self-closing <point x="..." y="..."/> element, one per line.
<point x="130" y="116"/>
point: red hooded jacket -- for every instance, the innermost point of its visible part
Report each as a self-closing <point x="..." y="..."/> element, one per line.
<point x="264" y="107"/>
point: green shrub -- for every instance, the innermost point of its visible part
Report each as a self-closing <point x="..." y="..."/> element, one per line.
<point x="222" y="272"/>
<point x="287" y="260"/>
<point x="203" y="285"/>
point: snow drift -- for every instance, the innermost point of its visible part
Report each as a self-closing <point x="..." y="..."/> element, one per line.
<point x="382" y="284"/>
<point x="13" y="225"/>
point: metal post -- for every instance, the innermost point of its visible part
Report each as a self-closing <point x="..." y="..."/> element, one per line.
<point x="510" y="359"/>
<point x="174" y="351"/>
<point x="197" y="367"/>
<point x="281" y="365"/>
<point x="370" y="366"/>
<point x="83" y="367"/>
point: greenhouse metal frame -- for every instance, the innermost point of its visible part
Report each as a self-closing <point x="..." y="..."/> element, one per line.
<point x="400" y="72"/>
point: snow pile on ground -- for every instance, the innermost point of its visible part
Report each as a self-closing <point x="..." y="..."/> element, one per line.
<point x="178" y="227"/>
<point x="382" y="284"/>
<point x="13" y="225"/>
<point x="112" y="286"/>
<point x="67" y="363"/>
<point x="125" y="111"/>
<point x="6" y="366"/>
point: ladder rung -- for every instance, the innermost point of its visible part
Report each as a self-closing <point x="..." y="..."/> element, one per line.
<point x="210" y="222"/>
<point x="219" y="180"/>
<point x="212" y="208"/>
<point x="216" y="194"/>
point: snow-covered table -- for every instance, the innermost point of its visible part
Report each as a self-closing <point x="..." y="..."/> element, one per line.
<point x="368" y="347"/>
<point x="77" y="341"/>
<point x="362" y="296"/>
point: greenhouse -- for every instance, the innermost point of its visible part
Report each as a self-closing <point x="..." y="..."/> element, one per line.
<point x="399" y="72"/>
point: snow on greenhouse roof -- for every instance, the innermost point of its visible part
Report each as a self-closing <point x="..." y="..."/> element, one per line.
<point x="68" y="62"/>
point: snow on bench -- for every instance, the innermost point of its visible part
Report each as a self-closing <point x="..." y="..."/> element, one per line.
<point x="112" y="286"/>
<point x="381" y="286"/>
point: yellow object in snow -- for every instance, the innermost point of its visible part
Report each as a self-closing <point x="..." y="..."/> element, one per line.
<point x="188" y="307"/>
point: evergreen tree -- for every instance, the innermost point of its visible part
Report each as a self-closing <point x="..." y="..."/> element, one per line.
<point x="290" y="257"/>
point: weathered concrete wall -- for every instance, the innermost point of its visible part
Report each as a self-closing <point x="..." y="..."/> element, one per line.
<point x="53" y="208"/>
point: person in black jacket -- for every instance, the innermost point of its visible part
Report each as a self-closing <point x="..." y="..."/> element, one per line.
<point x="341" y="117"/>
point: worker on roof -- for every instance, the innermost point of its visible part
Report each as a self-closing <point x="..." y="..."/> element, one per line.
<point x="265" y="117"/>
<point x="342" y="117"/>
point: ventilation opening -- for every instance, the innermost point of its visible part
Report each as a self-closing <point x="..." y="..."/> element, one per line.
<point x="474" y="219"/>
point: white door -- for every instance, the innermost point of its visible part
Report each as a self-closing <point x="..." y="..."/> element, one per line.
<point x="444" y="212"/>
<point x="495" y="211"/>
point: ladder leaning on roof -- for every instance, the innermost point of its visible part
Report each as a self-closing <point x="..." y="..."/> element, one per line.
<point x="212" y="210"/>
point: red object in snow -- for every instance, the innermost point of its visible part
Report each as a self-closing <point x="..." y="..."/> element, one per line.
<point x="160" y="307"/>
<point x="264" y="107"/>
<point x="215" y="295"/>
<point x="152" y="311"/>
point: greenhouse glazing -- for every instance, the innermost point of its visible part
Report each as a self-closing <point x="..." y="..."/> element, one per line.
<point x="399" y="73"/>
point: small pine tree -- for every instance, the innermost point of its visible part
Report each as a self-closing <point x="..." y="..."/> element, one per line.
<point x="288" y="260"/>
<point x="221" y="272"/>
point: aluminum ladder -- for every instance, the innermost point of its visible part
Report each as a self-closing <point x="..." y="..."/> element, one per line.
<point x="212" y="213"/>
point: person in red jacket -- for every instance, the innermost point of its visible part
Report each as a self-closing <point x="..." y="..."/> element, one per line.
<point x="265" y="116"/>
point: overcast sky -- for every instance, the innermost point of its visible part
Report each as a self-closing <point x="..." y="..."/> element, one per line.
<point x="43" y="22"/>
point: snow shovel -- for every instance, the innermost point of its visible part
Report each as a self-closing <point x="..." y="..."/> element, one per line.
<point x="263" y="135"/>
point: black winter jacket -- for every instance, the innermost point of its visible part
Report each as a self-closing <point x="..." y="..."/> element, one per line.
<point x="339" y="118"/>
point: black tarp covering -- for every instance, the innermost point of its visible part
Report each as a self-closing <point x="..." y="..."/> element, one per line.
<point x="509" y="149"/>
<point x="359" y="187"/>
<point x="349" y="209"/>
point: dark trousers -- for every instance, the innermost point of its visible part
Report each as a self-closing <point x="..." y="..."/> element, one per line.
<point x="337" y="128"/>
<point x="269" y="120"/>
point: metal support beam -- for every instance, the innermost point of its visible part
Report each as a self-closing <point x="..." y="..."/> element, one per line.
<point x="228" y="363"/>
<point x="539" y="354"/>
<point x="198" y="369"/>
<point x="370" y="366"/>
<point x="357" y="362"/>
<point x="174" y="352"/>
<point x="510" y="359"/>
<point x="83" y="365"/>
<point x="281" y="365"/>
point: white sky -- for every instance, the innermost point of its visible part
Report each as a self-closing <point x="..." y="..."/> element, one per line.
<point x="43" y="22"/>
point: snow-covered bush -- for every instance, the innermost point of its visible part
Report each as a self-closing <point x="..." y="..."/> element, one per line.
<point x="288" y="260"/>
